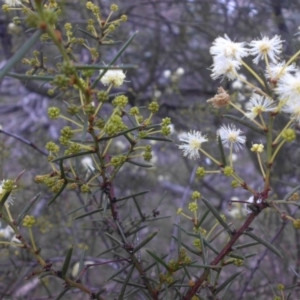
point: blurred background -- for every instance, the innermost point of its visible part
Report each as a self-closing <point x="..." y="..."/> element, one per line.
<point x="171" y="50"/>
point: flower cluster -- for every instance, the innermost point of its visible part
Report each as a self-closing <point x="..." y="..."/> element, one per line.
<point x="227" y="55"/>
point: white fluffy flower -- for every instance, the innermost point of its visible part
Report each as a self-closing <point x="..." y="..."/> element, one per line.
<point x="231" y="137"/>
<point x="114" y="77"/>
<point x="179" y="72"/>
<point x="288" y="87"/>
<point x="9" y="200"/>
<point x="225" y="48"/>
<point x="293" y="108"/>
<point x="87" y="163"/>
<point x="266" y="47"/>
<point x="276" y="71"/>
<point x="6" y="232"/>
<point x="259" y="104"/>
<point x="192" y="142"/>
<point x="13" y="2"/>
<point x="225" y="67"/>
<point x="167" y="73"/>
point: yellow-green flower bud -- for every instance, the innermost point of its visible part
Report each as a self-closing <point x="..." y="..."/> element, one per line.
<point x="73" y="110"/>
<point x="280" y="287"/>
<point x="166" y="121"/>
<point x="56" y="188"/>
<point x="102" y="96"/>
<point x="120" y="101"/>
<point x="49" y="182"/>
<point x="124" y="18"/>
<point x="68" y="26"/>
<point x="179" y="211"/>
<point x="89" y="109"/>
<point x="8" y="185"/>
<point x="50" y="92"/>
<point x="100" y="123"/>
<point x="94" y="53"/>
<point x="5" y="8"/>
<point x="85" y="188"/>
<point x="259" y="148"/>
<point x="228" y="171"/>
<point x="73" y="149"/>
<point x="39" y="179"/>
<point x="89" y="5"/>
<point x="52" y="147"/>
<point x="238" y="262"/>
<point x="196" y="195"/>
<point x="134" y="111"/>
<point x="53" y="113"/>
<point x="289" y="135"/>
<point x="165" y="130"/>
<point x="142" y="134"/>
<point x="147" y="155"/>
<point x="67" y="132"/>
<point x="153" y="107"/>
<point x="118" y="160"/>
<point x="87" y="73"/>
<point x="193" y="206"/>
<point x="235" y="184"/>
<point x="200" y="172"/>
<point x="296" y="223"/>
<point x="111" y="27"/>
<point x="114" y="7"/>
<point x="29" y="221"/>
<point x="73" y="186"/>
<point x="197" y="244"/>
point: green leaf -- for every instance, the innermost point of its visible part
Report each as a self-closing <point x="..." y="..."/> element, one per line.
<point x="288" y="195"/>
<point x="141" y="286"/>
<point x="81" y="261"/>
<point x="108" y="250"/>
<point x="204" y="266"/>
<point x="145" y="242"/>
<point x="62" y="293"/>
<point x="245" y="123"/>
<point x="3" y="199"/>
<point x="125" y="283"/>
<point x="157" y="138"/>
<point x="72" y="155"/>
<point x="20" y="53"/>
<point x="88" y="214"/>
<point x="102" y="67"/>
<point x="113" y="238"/>
<point x="159" y="260"/>
<point x="226" y="282"/>
<point x="246" y="245"/>
<point x="202" y="219"/>
<point x="217" y="215"/>
<point x="26" y="209"/>
<point x="120" y="271"/>
<point x="133" y="195"/>
<point x="221" y="148"/>
<point x="78" y="208"/>
<point x="67" y="262"/>
<point x="264" y="242"/>
<point x="28" y="77"/>
<point x="139" y="164"/>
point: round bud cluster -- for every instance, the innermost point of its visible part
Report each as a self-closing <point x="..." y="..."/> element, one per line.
<point x="29" y="221"/>
<point x="148" y="153"/>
